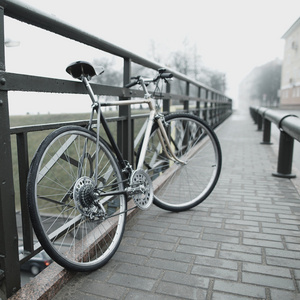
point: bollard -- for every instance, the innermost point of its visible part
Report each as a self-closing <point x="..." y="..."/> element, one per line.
<point x="285" y="156"/>
<point x="267" y="133"/>
<point x="259" y="122"/>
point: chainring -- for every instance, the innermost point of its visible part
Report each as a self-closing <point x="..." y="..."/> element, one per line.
<point x="142" y="189"/>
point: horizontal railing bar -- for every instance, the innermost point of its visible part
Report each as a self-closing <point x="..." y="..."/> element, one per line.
<point x="30" y="83"/>
<point x="42" y="127"/>
<point x="30" y="15"/>
<point x="291" y="126"/>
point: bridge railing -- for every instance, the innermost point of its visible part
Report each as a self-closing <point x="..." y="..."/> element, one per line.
<point x="289" y="126"/>
<point x="211" y="105"/>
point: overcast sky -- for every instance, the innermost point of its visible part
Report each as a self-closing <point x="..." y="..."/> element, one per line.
<point x="232" y="36"/>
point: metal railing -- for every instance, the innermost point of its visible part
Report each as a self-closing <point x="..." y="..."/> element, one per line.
<point x="211" y="105"/>
<point x="289" y="126"/>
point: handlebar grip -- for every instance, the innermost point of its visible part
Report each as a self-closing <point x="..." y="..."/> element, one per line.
<point x="166" y="75"/>
<point x="130" y="84"/>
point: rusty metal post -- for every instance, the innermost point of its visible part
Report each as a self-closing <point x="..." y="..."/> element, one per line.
<point x="9" y="257"/>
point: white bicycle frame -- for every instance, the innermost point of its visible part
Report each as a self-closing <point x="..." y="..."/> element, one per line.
<point x="153" y="115"/>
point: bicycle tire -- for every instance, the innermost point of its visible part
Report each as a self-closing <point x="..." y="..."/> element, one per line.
<point x="67" y="220"/>
<point x="179" y="187"/>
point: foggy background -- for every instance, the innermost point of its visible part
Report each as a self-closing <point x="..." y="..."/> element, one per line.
<point x="214" y="41"/>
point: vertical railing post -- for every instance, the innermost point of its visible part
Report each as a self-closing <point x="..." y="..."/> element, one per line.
<point x="9" y="257"/>
<point x="167" y="102"/>
<point x="124" y="128"/>
<point x="266" y="132"/>
<point x="211" y="109"/>
<point x="205" y="106"/>
<point x="259" y="121"/>
<point x="23" y="165"/>
<point x="198" y="103"/>
<point x="187" y="93"/>
<point x="285" y="156"/>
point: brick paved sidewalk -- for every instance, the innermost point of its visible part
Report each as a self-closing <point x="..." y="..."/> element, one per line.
<point x="241" y="243"/>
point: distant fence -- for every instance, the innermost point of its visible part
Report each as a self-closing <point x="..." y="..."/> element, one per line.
<point x="289" y="126"/>
<point x="211" y="105"/>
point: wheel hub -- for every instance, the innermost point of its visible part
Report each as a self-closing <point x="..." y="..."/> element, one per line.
<point x="141" y="189"/>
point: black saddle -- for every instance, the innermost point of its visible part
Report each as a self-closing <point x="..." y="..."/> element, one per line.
<point x="83" y="68"/>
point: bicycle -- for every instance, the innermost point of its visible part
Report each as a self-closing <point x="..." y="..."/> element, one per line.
<point x="79" y="185"/>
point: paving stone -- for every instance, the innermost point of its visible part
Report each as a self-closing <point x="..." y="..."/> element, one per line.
<point x="283" y="253"/>
<point x="109" y="290"/>
<point x="281" y="294"/>
<point x="267" y="280"/>
<point x="142" y="271"/>
<point x="263" y="236"/>
<point x="241" y="248"/>
<point x="240" y="256"/>
<point x="196" y="250"/>
<point x="138" y="295"/>
<point x="167" y="265"/>
<point x="174" y="256"/>
<point x="161" y="237"/>
<point x="183" y="233"/>
<point x="156" y="244"/>
<point x="132" y="249"/>
<point x="215" y="272"/>
<point x="186" y="279"/>
<point x="130" y="281"/>
<point x="199" y="243"/>
<point x="263" y="243"/>
<point x="263" y="269"/>
<point x="242" y="289"/>
<point x="216" y="262"/>
<point x="181" y="291"/>
<point x="283" y="262"/>
<point x="223" y="296"/>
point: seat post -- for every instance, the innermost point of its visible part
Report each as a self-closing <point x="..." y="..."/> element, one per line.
<point x="89" y="90"/>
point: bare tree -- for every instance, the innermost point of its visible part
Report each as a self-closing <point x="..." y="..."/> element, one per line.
<point x="267" y="83"/>
<point x="111" y="75"/>
<point x="189" y="62"/>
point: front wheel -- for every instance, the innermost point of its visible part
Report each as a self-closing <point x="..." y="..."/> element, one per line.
<point x="78" y="219"/>
<point x="177" y="186"/>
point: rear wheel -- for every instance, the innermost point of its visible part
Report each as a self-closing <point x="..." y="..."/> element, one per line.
<point x="178" y="186"/>
<point x="75" y="219"/>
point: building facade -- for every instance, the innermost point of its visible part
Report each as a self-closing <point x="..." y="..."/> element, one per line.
<point x="290" y="76"/>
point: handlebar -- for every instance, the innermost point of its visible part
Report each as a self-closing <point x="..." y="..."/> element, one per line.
<point x="140" y="79"/>
<point x="131" y="84"/>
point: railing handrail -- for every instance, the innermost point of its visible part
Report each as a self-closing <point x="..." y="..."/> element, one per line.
<point x="32" y="16"/>
<point x="289" y="123"/>
<point x="289" y="126"/>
